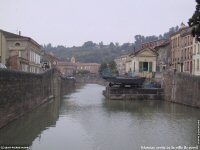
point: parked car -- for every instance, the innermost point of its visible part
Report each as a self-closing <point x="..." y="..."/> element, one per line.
<point x="2" y="66"/>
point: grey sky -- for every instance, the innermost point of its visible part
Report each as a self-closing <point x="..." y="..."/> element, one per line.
<point x="73" y="22"/>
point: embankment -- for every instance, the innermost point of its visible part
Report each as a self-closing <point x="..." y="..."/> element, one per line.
<point x="21" y="92"/>
<point x="182" y="88"/>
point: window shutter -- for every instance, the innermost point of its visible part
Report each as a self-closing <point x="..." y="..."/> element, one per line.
<point x="150" y="66"/>
<point x="140" y="66"/>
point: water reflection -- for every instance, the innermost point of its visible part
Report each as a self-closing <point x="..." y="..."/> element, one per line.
<point x="25" y="129"/>
<point x="85" y="120"/>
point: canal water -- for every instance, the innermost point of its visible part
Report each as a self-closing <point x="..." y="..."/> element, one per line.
<point x="85" y="120"/>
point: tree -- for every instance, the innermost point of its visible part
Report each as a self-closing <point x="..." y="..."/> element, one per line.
<point x="195" y="22"/>
<point x="102" y="67"/>
<point x="89" y="44"/>
<point x="101" y="44"/>
<point x="112" y="45"/>
<point x="113" y="67"/>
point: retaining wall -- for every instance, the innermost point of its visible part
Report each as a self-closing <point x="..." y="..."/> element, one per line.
<point x="182" y="88"/>
<point x="21" y="92"/>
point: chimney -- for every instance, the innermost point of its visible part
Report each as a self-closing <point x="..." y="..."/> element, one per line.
<point x="20" y="33"/>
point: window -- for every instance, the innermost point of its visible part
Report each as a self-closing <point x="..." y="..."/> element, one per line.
<point x="150" y="66"/>
<point x="140" y="66"/>
<point x="17" y="44"/>
<point x="198" y="64"/>
<point x="145" y="66"/>
<point x="20" y="53"/>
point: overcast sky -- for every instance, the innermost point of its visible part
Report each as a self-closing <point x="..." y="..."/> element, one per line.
<point x="73" y="22"/>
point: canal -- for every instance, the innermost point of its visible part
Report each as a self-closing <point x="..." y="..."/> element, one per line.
<point x="85" y="120"/>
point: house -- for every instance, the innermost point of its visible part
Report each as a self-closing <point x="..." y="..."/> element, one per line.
<point x="186" y="49"/>
<point x="164" y="57"/>
<point x="67" y="68"/>
<point x="143" y="62"/>
<point x="181" y="50"/>
<point x="89" y="67"/>
<point x="72" y="67"/>
<point x="196" y="57"/>
<point x="49" y="60"/>
<point x="121" y="64"/>
<point x="19" y="52"/>
<point x="3" y="54"/>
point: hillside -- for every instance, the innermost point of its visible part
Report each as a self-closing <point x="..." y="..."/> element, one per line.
<point x="93" y="52"/>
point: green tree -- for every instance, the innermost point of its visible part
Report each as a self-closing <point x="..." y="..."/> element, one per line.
<point x="102" y="67"/>
<point x="195" y="21"/>
<point x="89" y="44"/>
<point x="113" y="67"/>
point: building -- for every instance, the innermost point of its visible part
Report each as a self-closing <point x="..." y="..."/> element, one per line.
<point x="67" y="68"/>
<point x="164" y="57"/>
<point x="20" y="52"/>
<point x="89" y="67"/>
<point x="121" y="64"/>
<point x="73" y="67"/>
<point x="49" y="60"/>
<point x="196" y="57"/>
<point x="154" y="44"/>
<point x="3" y="54"/>
<point x="143" y="62"/>
<point x="181" y="50"/>
<point x="128" y="65"/>
<point x="186" y="49"/>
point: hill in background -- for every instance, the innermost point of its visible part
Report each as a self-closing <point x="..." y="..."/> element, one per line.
<point x="97" y="53"/>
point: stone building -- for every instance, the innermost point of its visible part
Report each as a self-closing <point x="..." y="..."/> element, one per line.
<point x="49" y="60"/>
<point x="143" y="62"/>
<point x="67" y="68"/>
<point x="196" y="58"/>
<point x="164" y="55"/>
<point x="181" y="50"/>
<point x="186" y="49"/>
<point x="121" y="64"/>
<point x="20" y="52"/>
<point x="89" y="67"/>
<point x="73" y="67"/>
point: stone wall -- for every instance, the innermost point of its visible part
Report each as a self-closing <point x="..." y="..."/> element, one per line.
<point x="91" y="79"/>
<point x="21" y="92"/>
<point x="116" y="93"/>
<point x="182" y="88"/>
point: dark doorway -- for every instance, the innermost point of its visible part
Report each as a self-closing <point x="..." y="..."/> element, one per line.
<point x="181" y="67"/>
<point x="145" y="66"/>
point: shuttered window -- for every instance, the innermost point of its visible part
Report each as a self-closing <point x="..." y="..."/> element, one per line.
<point x="140" y="66"/>
<point x="150" y="66"/>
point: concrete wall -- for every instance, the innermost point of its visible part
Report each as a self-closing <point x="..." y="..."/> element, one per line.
<point x="182" y="88"/>
<point x="21" y="92"/>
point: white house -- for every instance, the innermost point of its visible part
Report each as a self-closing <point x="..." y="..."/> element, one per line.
<point x="143" y="62"/>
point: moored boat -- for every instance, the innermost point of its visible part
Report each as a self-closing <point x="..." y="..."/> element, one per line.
<point x="125" y="81"/>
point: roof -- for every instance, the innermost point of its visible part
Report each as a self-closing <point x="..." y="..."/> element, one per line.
<point x="87" y="64"/>
<point x="154" y="41"/>
<point x="122" y="56"/>
<point x="162" y="45"/>
<point x="137" y="52"/>
<point x="10" y="35"/>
